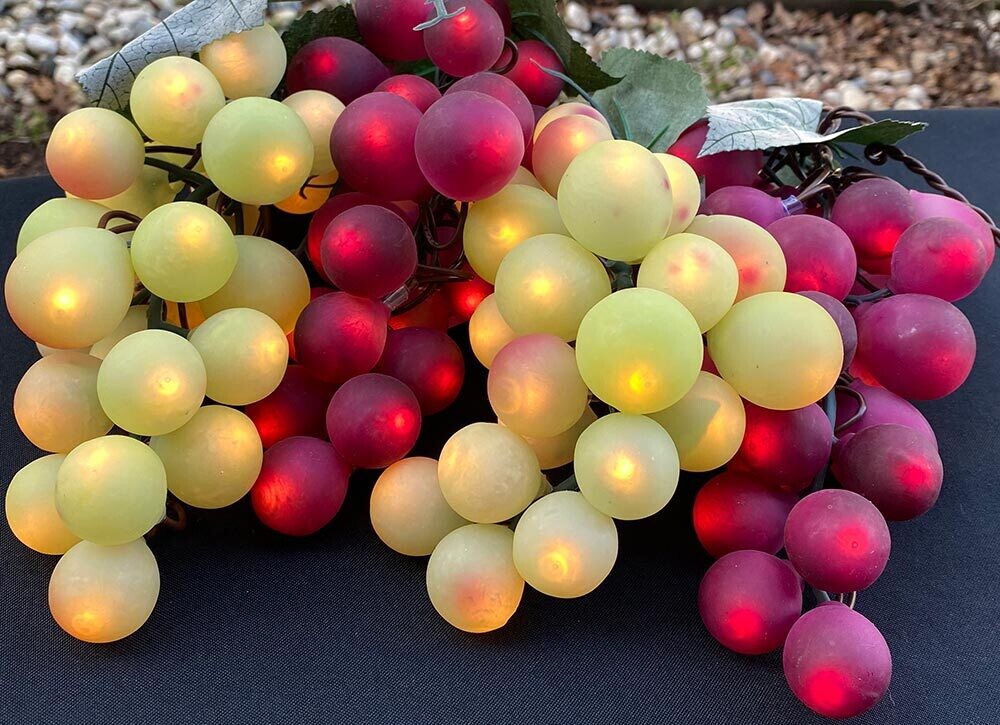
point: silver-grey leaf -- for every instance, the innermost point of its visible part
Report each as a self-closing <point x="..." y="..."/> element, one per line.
<point x="108" y="82"/>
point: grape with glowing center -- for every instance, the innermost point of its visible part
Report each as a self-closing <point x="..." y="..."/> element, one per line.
<point x="30" y="506"/>
<point x="338" y="336"/>
<point x="818" y="254"/>
<point x="249" y="63"/>
<point x="340" y="67"/>
<point x="785" y="448"/>
<point x="467" y="43"/>
<point x="429" y="362"/>
<point x="368" y="251"/>
<point x="387" y="27"/>
<point x="505" y="91"/>
<point x="94" y="153"/>
<point x="939" y="257"/>
<point x="734" y="511"/>
<point x="873" y="213"/>
<point x="745" y="202"/>
<point x="415" y="89"/>
<point x="528" y="74"/>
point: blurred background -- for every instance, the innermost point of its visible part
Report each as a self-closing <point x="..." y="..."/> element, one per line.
<point x="872" y="55"/>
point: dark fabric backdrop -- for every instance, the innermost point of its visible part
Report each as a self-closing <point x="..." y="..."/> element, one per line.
<point x="253" y="627"/>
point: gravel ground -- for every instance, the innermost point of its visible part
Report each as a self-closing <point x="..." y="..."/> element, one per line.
<point x="944" y="53"/>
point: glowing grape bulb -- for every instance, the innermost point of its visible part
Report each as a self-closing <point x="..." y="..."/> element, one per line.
<point x="557" y="450"/>
<point x="563" y="546"/>
<point x="758" y="256"/>
<point x="926" y="206"/>
<point x="174" y="98"/>
<point x="488" y="331"/>
<point x="467" y="43"/>
<point x="818" y="254"/>
<point x="940" y="257"/>
<point x="785" y="448"/>
<point x="339" y="336"/>
<point x="104" y="593"/>
<point x="30" y="505"/>
<point x="339" y="66"/>
<point x="573" y="108"/>
<point x="685" y="189"/>
<point x="504" y="90"/>
<point x="58" y="213"/>
<point x="734" y="512"/>
<point x="563" y="140"/>
<point x="368" y="251"/>
<point x="94" y="153"/>
<point x="417" y="90"/>
<point x="249" y="63"/>
<point x="540" y="87"/>
<point x="319" y="111"/>
<point x="873" y="213"/>
<point x="325" y="215"/>
<point x="429" y="362"/>
<point x="387" y="27"/>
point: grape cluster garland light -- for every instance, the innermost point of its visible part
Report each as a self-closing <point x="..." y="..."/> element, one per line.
<point x="264" y="240"/>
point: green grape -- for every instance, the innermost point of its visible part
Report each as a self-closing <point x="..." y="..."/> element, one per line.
<point x="250" y="63"/>
<point x="71" y="287"/>
<point x="152" y="382"/>
<point x="245" y="354"/>
<point x="639" y="350"/>
<point x="94" y="153"/>
<point x="111" y="490"/>
<point x="615" y="200"/>
<point x="150" y="190"/>
<point x="697" y="272"/>
<point x="56" y="214"/>
<point x="557" y="450"/>
<point x="488" y="331"/>
<point x="212" y="460"/>
<point x="267" y="278"/>
<point x="626" y="466"/>
<point x="535" y="388"/>
<point x="30" y="505"/>
<point x="183" y="252"/>
<point x="758" y="257"/>
<point x="686" y="191"/>
<point x="56" y="405"/>
<point x="311" y="196"/>
<point x="573" y="108"/>
<point x="407" y="509"/>
<point x="257" y="151"/>
<point x="104" y="593"/>
<point x="471" y="578"/>
<point x="778" y="350"/>
<point x="135" y="321"/>
<point x="45" y="351"/>
<point x="174" y="98"/>
<point x="525" y="177"/>
<point x="563" y="546"/>
<point x="707" y="424"/>
<point x="318" y="111"/>
<point x="564" y="140"/>
<point x="498" y="224"/>
<point x="487" y="473"/>
<point x="547" y="284"/>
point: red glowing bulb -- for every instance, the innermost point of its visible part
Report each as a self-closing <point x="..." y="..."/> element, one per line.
<point x="433" y="312"/>
<point x="418" y="91"/>
<point x="297" y="407"/>
<point x="873" y="213"/>
<point x="733" y="512"/>
<point x="504" y="90"/>
<point x="733" y="168"/>
<point x="540" y="87"/>
<point x="338" y="66"/>
<point x="744" y="202"/>
<point x="785" y="448"/>
<point x="818" y="254"/>
<point x="334" y="207"/>
<point x="338" y="336"/>
<point x="387" y="27"/>
<point x="428" y="362"/>
<point x="368" y="251"/>
<point x="464" y="297"/>
<point x="467" y="43"/>
<point x="940" y="257"/>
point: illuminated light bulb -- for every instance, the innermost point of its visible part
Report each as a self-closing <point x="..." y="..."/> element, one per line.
<point x="245" y="354"/>
<point x="534" y="386"/>
<point x="297" y="407"/>
<point x="104" y="593"/>
<point x="152" y="382"/>
<point x="319" y="111"/>
<point x="525" y="177"/>
<point x="557" y="450"/>
<point x="573" y="108"/>
<point x="707" y="424"/>
<point x="310" y="197"/>
<point x="30" y="505"/>
<point x="626" y="466"/>
<point x="56" y="404"/>
<point x="686" y="191"/>
<point x="758" y="256"/>
<point x="563" y="546"/>
<point x="778" y="350"/>
<point x="487" y="473"/>
<point x="56" y="214"/>
<point x="528" y="74"/>
<point x="212" y="460"/>
<point x="547" y="284"/>
<point x="250" y="63"/>
<point x="697" y="272"/>
<point x="111" y="490"/>
<point x="417" y="90"/>
<point x="471" y="579"/>
<point x="464" y="298"/>
<point x="639" y="350"/>
<point x="174" y="98"/>
<point x="339" y="66"/>
<point x="785" y="448"/>
<point x="563" y="140"/>
<point x="429" y="362"/>
<point x="135" y="321"/>
<point x="488" y="331"/>
<point x="94" y="153"/>
<point x="407" y="510"/>
<point x="733" y="512"/>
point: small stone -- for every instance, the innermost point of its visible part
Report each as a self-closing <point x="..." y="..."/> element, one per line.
<point x="22" y="60"/>
<point x="878" y="75"/>
<point x="65" y="73"/>
<point x="692" y="17"/>
<point x="22" y="12"/>
<point x="920" y="61"/>
<point x="736" y="18"/>
<point x="17" y="79"/>
<point x="41" y="45"/>
<point x="725" y="38"/>
<point x="901" y="77"/>
<point x="576" y="17"/>
<point x="708" y="29"/>
<point x="695" y="52"/>
<point x="906" y="104"/>
<point x="855" y="97"/>
<point x="768" y="54"/>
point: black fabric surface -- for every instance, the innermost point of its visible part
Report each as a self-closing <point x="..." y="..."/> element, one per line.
<point x="253" y="627"/>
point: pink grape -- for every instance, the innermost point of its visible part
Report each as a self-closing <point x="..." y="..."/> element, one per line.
<point x="504" y="90"/>
<point x="819" y="255"/>
<point x="368" y="251"/>
<point x="837" y="540"/>
<point x="734" y="511"/>
<point x="429" y="362"/>
<point x="940" y="257"/>
<point x="836" y="662"/>
<point x="540" y="87"/>
<point x="749" y="600"/>
<point x="745" y="202"/>
<point x="917" y="346"/>
<point x="881" y="408"/>
<point x="784" y="448"/>
<point x="372" y="147"/>
<point x="732" y="168"/>
<point x="936" y="205"/>
<point x="873" y="213"/>
<point x="333" y="208"/>
<point x="297" y="407"/>
<point x="468" y="145"/>
<point x="418" y="91"/>
<point x="373" y="420"/>
<point x="845" y="322"/>
<point x="338" y="66"/>
<point x="387" y="27"/>
<point x="338" y="336"/>
<point x="467" y="43"/>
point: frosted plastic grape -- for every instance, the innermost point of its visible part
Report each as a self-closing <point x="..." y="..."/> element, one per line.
<point x="152" y="382"/>
<point x="58" y="213"/>
<point x="615" y="200"/>
<point x="563" y="546"/>
<point x="94" y="153"/>
<point x="758" y="257"/>
<point x="563" y="140"/>
<point x="339" y="66"/>
<point x="534" y="386"/>
<point x="745" y="202"/>
<point x="471" y="578"/>
<point x="557" y="450"/>
<point x="818" y="255"/>
<point x="319" y="111"/>
<point x="707" y="424"/>
<point x="547" y="284"/>
<point x="174" y="98"/>
<point x="183" y="252"/>
<point x="533" y="56"/>
<point x="417" y="90"/>
<point x="257" y="151"/>
<point x="735" y="512"/>
<point x="104" y="593"/>
<point x="940" y="257"/>
<point x="927" y="205"/>
<point x="488" y="331"/>
<point x="467" y="43"/>
<point x="487" y="473"/>
<point x="387" y="27"/>
<point x="250" y="63"/>
<point x="71" y="287"/>
<point x="785" y="448"/>
<point x="697" y="272"/>
<point x="573" y="108"/>
<point x="874" y="212"/>
<point x="639" y="350"/>
<point x="310" y="197"/>
<point x="135" y="321"/>
<point x="778" y="350"/>
<point x="626" y="466"/>
<point x="111" y="490"/>
<point x="212" y="460"/>
<point x="686" y="191"/>
<point x="151" y="189"/>
<point x="56" y="405"/>
<point x="30" y="505"/>
<point x="523" y="176"/>
<point x="407" y="509"/>
<point x="245" y="354"/>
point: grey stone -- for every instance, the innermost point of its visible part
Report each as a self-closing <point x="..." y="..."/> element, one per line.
<point x="41" y="45"/>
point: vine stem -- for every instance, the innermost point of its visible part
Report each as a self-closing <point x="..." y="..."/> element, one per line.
<point x="179" y="172"/>
<point x="878" y="294"/>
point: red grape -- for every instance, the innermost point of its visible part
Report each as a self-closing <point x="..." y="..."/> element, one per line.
<point x="785" y="448"/>
<point x="540" y="87"/>
<point x="881" y="407"/>
<point x="339" y="336"/>
<point x="845" y="322"/>
<point x="734" y="511"/>
<point x="418" y="91"/>
<point x="940" y="257"/>
<point x="467" y="43"/>
<point x="369" y="251"/>
<point x="873" y="213"/>
<point x="336" y="65"/>
<point x="504" y="90"/>
<point x="732" y="168"/>
<point x="935" y="205"/>
<point x="819" y="255"/>
<point x="464" y="297"/>
<point x="297" y="407"/>
<point x="503" y="11"/>
<point x="333" y="208"/>
<point x="429" y="362"/>
<point x="745" y="202"/>
<point x="433" y="312"/>
<point x="373" y="420"/>
<point x="387" y="27"/>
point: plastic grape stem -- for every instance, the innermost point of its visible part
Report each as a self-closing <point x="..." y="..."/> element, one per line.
<point x="626" y="129"/>
<point x="180" y="173"/>
<point x="870" y="297"/>
<point x="441" y="13"/>
<point x="576" y="87"/>
<point x="621" y="275"/>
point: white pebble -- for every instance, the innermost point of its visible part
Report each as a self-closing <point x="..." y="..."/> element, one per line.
<point x="576" y="17"/>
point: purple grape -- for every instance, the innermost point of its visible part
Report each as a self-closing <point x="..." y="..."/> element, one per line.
<point x="873" y="212"/>
<point x="504" y="90"/>
<point x="936" y="205"/>
<point x="845" y="322"/>
<point x="819" y="255"/>
<point x="336" y="65"/>
<point x="368" y="251"/>
<point x="338" y="336"/>
<point x="731" y="168"/>
<point x="373" y="420"/>
<point x="784" y="448"/>
<point x="939" y="257"/>
<point x="387" y="27"/>
<point x="745" y="202"/>
<point x="467" y="43"/>
<point x="429" y="362"/>
<point x="881" y="408"/>
<point x="733" y="512"/>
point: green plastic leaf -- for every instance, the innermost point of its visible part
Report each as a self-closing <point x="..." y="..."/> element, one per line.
<point x="888" y="131"/>
<point x="656" y="99"/>
<point x="339" y="22"/>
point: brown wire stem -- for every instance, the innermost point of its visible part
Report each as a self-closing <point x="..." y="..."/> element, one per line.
<point x="117" y="214"/>
<point x="509" y="65"/>
<point x="174" y="519"/>
<point x="862" y="407"/>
